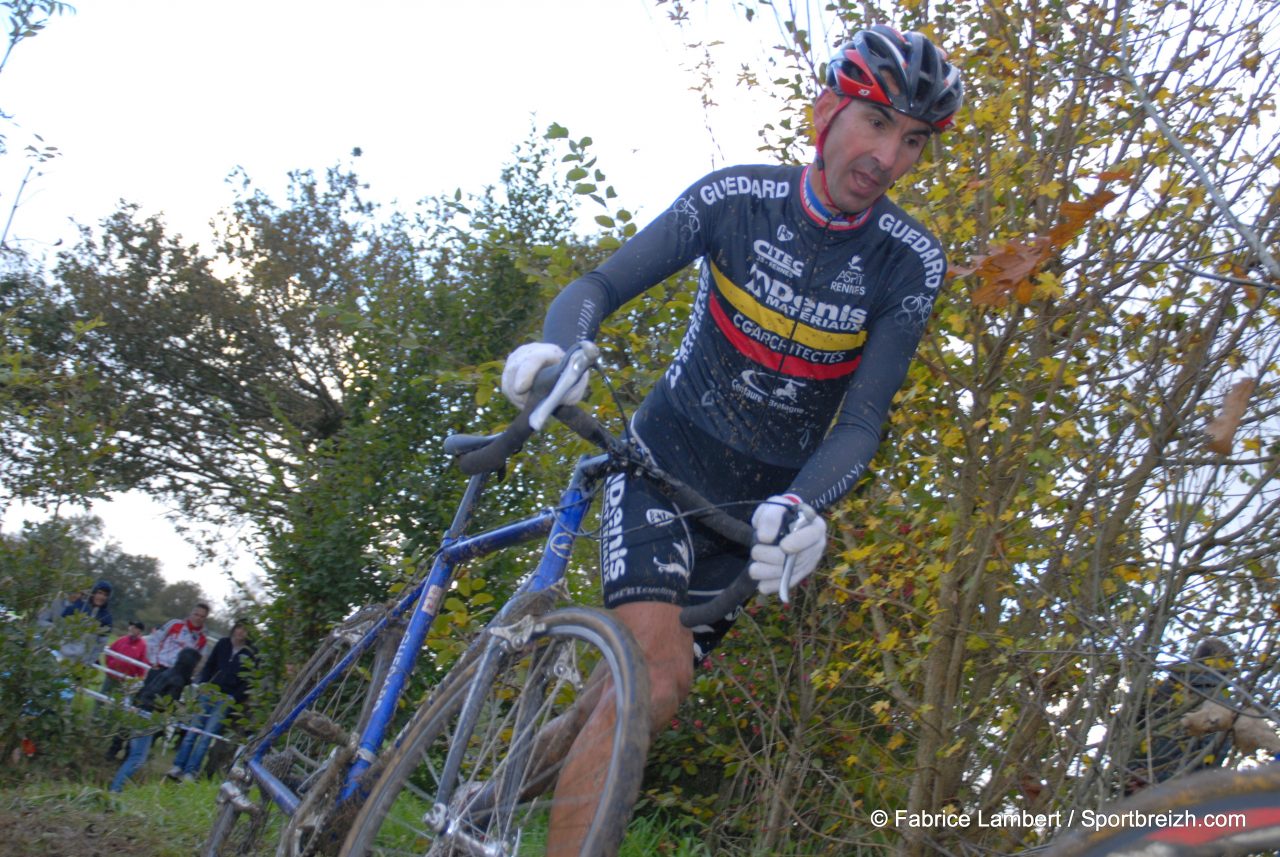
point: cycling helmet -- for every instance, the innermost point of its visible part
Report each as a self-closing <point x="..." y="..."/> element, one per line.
<point x="904" y="71"/>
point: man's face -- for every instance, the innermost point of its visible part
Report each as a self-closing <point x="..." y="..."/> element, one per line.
<point x="867" y="149"/>
<point x="197" y="617"/>
<point x="238" y="635"/>
<point x="99" y="597"/>
<point x="134" y="632"/>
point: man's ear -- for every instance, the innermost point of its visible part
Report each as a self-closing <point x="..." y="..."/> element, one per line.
<point x="824" y="110"/>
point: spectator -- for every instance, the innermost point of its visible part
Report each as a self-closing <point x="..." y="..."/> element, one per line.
<point x="227" y="669"/>
<point x="96" y="606"/>
<point x="174" y="636"/>
<point x="1164" y="748"/>
<point x="131" y="646"/>
<point x="163" y="686"/>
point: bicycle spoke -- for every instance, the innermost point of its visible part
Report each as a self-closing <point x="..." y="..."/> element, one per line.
<point x="509" y="762"/>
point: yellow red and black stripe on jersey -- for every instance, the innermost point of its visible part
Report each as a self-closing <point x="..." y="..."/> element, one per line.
<point x="775" y="340"/>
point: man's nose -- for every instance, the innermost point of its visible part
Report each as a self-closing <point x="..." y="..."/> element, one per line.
<point x="885" y="152"/>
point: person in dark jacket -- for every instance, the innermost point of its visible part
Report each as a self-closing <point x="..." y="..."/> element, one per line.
<point x="227" y="669"/>
<point x="159" y="688"/>
<point x="1165" y="750"/>
<point x="96" y="606"/>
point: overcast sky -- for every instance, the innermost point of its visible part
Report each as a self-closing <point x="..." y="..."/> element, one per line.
<point x="157" y="101"/>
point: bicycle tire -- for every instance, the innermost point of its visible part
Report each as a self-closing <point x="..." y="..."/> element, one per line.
<point x="1220" y="813"/>
<point x="501" y="755"/>
<point x="345" y="704"/>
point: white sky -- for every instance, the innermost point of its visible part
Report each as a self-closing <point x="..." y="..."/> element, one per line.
<point x="157" y="101"/>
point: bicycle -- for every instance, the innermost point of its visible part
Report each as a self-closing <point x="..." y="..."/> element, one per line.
<point x="467" y="773"/>
<point x="1219" y="813"/>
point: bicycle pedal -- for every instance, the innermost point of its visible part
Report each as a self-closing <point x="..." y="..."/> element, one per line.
<point x="229" y="792"/>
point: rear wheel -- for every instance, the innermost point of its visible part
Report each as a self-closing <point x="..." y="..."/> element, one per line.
<point x="497" y="801"/>
<point x="309" y="756"/>
<point x="1211" y="813"/>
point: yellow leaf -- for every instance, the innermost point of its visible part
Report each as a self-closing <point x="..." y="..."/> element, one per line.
<point x="860" y="552"/>
<point x="1051" y="189"/>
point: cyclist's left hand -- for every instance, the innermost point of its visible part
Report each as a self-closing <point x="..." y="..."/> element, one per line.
<point x="806" y="541"/>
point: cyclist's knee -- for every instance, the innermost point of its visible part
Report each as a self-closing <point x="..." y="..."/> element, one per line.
<point x="667" y="646"/>
<point x="668" y="686"/>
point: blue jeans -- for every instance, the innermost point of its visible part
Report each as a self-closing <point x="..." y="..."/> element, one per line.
<point x="193" y="747"/>
<point x="139" y="748"/>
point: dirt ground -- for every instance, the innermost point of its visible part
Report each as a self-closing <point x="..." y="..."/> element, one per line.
<point x="69" y="813"/>
<point x="52" y="829"/>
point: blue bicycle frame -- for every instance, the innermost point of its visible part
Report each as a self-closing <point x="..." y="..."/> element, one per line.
<point x="561" y="525"/>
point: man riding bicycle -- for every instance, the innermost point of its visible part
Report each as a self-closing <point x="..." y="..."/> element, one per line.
<point x="813" y="293"/>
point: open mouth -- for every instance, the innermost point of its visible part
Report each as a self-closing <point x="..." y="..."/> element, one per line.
<point x="865" y="183"/>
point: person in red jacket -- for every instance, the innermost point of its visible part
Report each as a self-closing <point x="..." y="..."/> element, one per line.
<point x="132" y="646"/>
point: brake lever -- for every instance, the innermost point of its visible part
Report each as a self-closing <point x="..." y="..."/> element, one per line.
<point x="803" y="516"/>
<point x="576" y="363"/>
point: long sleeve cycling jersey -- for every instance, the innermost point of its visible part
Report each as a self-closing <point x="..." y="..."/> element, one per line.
<point x="802" y="329"/>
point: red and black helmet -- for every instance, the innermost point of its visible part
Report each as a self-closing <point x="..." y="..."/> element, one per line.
<point x="904" y="71"/>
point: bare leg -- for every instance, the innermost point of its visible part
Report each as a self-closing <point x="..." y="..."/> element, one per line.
<point x="668" y="652"/>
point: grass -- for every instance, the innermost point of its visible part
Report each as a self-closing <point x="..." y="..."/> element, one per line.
<point x="73" y="819"/>
<point x="158" y="818"/>
<point x="651" y="834"/>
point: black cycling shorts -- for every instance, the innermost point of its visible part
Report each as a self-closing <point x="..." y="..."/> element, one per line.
<point x="650" y="552"/>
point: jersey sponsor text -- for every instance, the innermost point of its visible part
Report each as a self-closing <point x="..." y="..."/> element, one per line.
<point x="928" y="251"/>
<point x="741" y="185"/>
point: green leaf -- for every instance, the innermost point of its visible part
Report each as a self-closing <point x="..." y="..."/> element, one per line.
<point x="557" y="132"/>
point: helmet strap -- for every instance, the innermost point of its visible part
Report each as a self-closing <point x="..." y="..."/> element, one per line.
<point x="819" y="161"/>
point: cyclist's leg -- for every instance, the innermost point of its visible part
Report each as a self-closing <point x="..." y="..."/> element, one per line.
<point x="666" y="645"/>
<point x="648" y="558"/>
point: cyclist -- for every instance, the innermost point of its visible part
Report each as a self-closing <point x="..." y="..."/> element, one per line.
<point x="814" y="291"/>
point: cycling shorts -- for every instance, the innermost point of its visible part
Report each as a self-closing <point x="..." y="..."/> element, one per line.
<point x="650" y="550"/>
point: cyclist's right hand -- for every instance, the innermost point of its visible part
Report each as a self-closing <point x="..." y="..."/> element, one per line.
<point x="786" y="530"/>
<point x="523" y="366"/>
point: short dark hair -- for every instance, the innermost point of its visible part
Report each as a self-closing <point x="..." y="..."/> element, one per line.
<point x="134" y="623"/>
<point x="202" y="604"/>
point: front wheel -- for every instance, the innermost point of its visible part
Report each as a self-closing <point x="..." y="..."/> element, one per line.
<point x="449" y="788"/>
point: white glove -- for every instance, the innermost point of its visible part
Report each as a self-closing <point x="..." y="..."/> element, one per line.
<point x="806" y="541"/>
<point x="523" y="366"/>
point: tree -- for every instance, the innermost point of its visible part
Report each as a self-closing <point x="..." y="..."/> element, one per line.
<point x="1048" y="528"/>
<point x="174" y="601"/>
<point x="307" y="390"/>
<point x="136" y="582"/>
